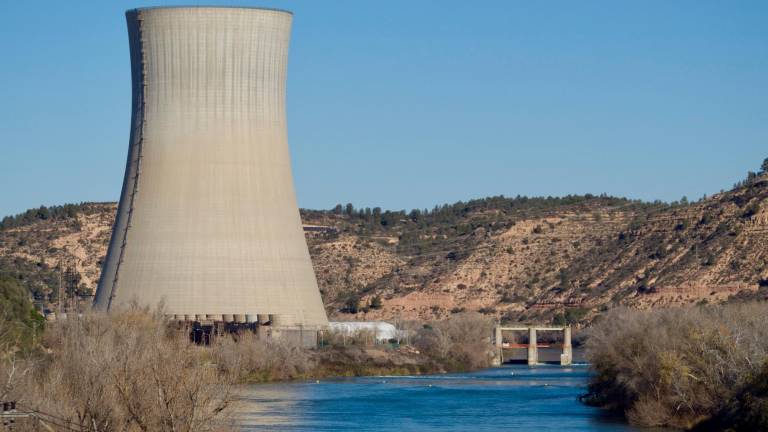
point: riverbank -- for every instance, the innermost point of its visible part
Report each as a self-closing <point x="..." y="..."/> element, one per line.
<point x="460" y="343"/>
<point x="371" y="361"/>
<point x="352" y="361"/>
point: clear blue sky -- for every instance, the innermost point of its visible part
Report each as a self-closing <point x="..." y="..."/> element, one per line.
<point x="413" y="103"/>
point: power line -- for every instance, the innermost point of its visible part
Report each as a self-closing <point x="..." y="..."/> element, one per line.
<point x="58" y="421"/>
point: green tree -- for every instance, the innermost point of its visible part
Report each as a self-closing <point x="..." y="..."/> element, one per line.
<point x="574" y="315"/>
<point x="559" y="319"/>
<point x="376" y="303"/>
<point x="20" y="324"/>
<point x="415" y="215"/>
<point x="764" y="166"/>
<point x="43" y="213"/>
<point x="352" y="304"/>
<point x="389" y="219"/>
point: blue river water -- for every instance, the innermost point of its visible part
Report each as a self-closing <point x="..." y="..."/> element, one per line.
<point x="515" y="397"/>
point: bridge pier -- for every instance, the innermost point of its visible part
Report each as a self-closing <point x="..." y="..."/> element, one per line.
<point x="533" y="349"/>
<point x="497" y="342"/>
<point x="566" y="358"/>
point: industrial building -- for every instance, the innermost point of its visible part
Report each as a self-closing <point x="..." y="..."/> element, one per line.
<point x="208" y="222"/>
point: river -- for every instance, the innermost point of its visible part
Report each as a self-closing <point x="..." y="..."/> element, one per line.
<point x="543" y="398"/>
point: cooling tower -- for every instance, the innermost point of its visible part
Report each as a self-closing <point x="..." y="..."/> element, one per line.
<point x="208" y="221"/>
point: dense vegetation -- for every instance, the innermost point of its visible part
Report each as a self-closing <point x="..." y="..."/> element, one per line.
<point x="752" y="176"/>
<point x="452" y="218"/>
<point x="699" y="367"/>
<point x="368" y="220"/>
<point x="20" y="324"/>
<point x="123" y="372"/>
<point x="61" y="212"/>
<point x="459" y="343"/>
<point x="37" y="278"/>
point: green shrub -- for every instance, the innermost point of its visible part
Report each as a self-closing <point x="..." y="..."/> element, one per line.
<point x="20" y="324"/>
<point x="376" y="303"/>
<point x="352" y="303"/>
<point x="751" y="210"/>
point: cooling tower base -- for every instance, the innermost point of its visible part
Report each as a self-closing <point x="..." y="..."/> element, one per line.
<point x="204" y="332"/>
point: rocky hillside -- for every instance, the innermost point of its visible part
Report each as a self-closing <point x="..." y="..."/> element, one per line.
<point x="520" y="259"/>
<point x="564" y="263"/>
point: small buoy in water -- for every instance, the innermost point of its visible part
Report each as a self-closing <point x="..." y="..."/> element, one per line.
<point x="317" y="381"/>
<point x="430" y="385"/>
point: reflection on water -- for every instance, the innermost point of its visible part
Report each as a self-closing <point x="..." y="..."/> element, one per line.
<point x="546" y="355"/>
<point x="517" y="397"/>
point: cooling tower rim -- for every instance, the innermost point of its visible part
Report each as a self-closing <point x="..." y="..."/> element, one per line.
<point x="149" y="8"/>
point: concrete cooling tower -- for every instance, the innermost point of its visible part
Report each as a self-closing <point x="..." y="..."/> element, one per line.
<point x="208" y="221"/>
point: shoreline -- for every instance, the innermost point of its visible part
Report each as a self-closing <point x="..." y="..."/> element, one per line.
<point x="330" y="367"/>
<point x="356" y="361"/>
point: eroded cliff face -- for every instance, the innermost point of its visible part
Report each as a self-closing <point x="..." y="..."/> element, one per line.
<point x="570" y="260"/>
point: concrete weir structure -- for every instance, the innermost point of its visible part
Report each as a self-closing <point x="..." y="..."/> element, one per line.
<point x="208" y="222"/>
<point x="566" y="358"/>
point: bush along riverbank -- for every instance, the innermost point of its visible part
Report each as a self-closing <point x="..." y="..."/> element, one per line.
<point x="460" y="343"/>
<point x="133" y="370"/>
<point x="698" y="368"/>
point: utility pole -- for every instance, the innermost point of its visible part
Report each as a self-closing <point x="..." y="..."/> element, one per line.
<point x="71" y="280"/>
<point x="61" y="291"/>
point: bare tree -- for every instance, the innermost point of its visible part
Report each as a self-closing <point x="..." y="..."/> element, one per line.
<point x="127" y="372"/>
<point x="261" y="359"/>
<point x="460" y="342"/>
<point x="676" y="366"/>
